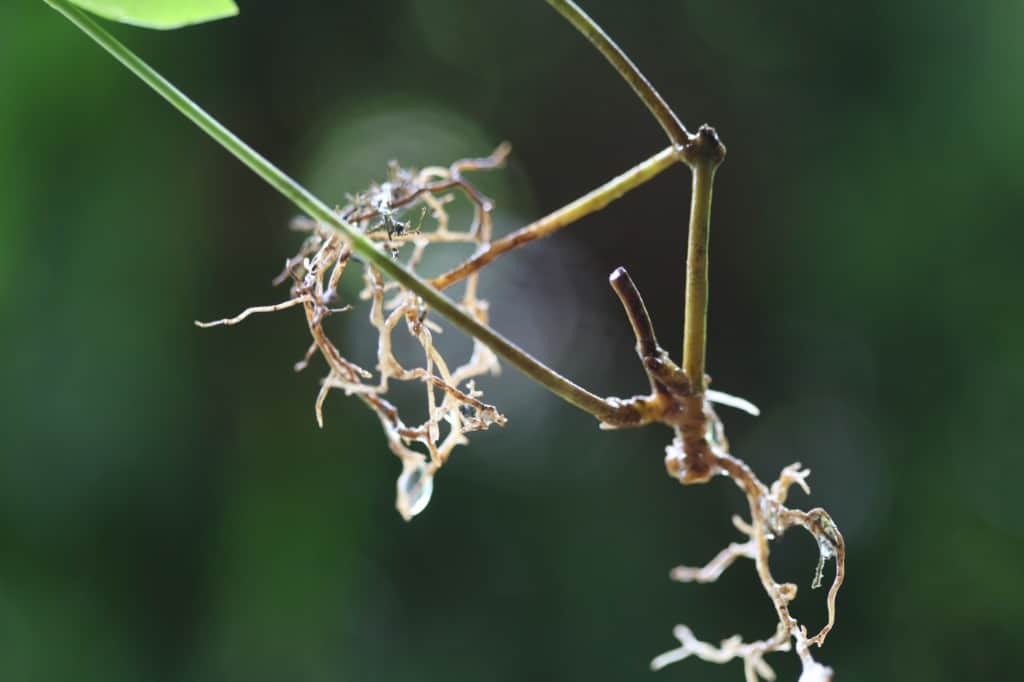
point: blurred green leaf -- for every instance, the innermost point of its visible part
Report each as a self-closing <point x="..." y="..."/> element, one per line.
<point x="162" y="14"/>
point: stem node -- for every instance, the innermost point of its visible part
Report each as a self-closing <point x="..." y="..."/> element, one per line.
<point x="704" y="148"/>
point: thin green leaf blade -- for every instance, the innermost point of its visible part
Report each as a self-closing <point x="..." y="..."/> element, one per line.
<point x="160" y="14"/>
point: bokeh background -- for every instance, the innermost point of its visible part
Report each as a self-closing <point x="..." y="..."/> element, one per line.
<point x="169" y="510"/>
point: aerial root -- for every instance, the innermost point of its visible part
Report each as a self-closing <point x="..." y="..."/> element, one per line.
<point x="227" y="322"/>
<point x="770" y="518"/>
<point x="453" y="404"/>
<point x="729" y="649"/>
<point x="710" y="572"/>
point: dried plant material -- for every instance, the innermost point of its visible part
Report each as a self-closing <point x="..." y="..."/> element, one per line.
<point x="732" y="648"/>
<point x="451" y="400"/>
<point x="770" y="518"/>
<point x="732" y="401"/>
<point x="699" y="452"/>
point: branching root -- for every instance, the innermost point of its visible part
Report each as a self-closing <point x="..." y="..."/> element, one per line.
<point x="770" y="518"/>
<point x="406" y="214"/>
<point x="699" y="452"/>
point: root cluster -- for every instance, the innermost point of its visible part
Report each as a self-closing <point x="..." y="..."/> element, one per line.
<point x="770" y="518"/>
<point x="406" y="214"/>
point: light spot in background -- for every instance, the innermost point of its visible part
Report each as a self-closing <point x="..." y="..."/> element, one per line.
<point x="353" y="145"/>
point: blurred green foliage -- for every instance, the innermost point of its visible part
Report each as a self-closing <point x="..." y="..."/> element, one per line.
<point x="169" y="510"/>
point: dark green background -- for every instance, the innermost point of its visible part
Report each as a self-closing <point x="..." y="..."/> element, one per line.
<point x="169" y="510"/>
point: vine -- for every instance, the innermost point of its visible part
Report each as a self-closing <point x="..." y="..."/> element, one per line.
<point x="378" y="229"/>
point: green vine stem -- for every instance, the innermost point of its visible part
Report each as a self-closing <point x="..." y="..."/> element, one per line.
<point x="703" y="152"/>
<point x="706" y="153"/>
<point x="316" y="209"/>
<point x="592" y="201"/>
<point x="673" y="127"/>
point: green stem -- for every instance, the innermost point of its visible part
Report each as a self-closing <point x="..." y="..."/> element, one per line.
<point x="705" y="154"/>
<point x="675" y="130"/>
<point x="316" y="209"/>
<point x="593" y="201"/>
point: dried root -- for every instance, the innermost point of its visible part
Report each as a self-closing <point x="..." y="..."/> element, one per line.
<point x="699" y="452"/>
<point x="770" y="518"/>
<point x="453" y="405"/>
